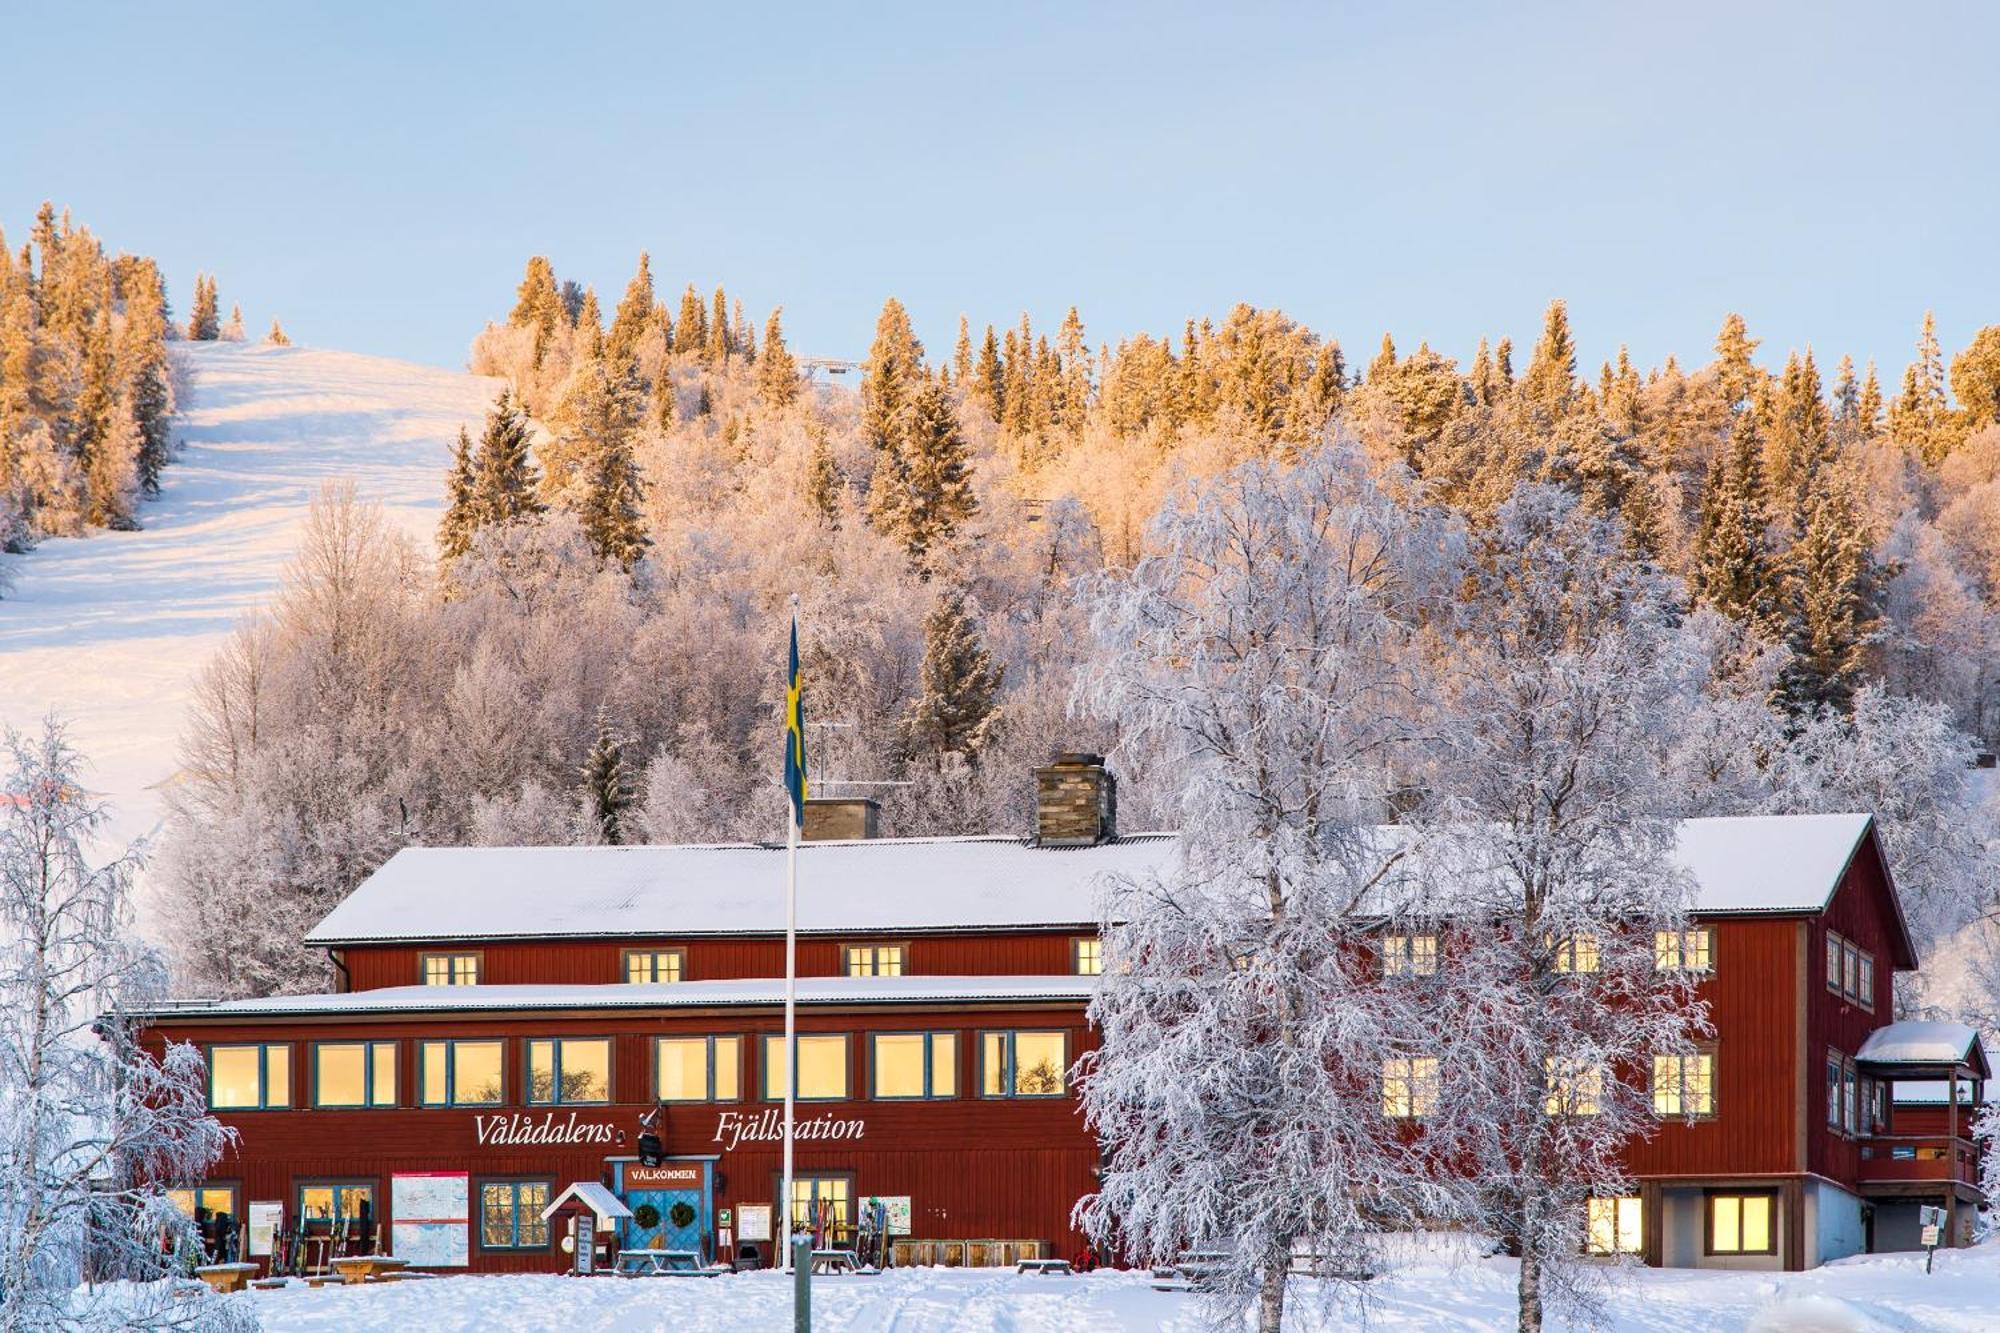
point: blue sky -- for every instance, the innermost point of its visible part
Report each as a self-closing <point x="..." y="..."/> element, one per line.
<point x="376" y="175"/>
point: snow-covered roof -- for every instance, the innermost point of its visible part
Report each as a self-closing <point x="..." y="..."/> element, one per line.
<point x="608" y="1206"/>
<point x="1751" y="864"/>
<point x="667" y="995"/>
<point x="1920" y="1042"/>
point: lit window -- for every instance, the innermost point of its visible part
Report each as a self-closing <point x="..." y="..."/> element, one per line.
<point x="1616" y="1225"/>
<point x="913" y="1065"/>
<point x="212" y="1198"/>
<point x="337" y="1204"/>
<point x="510" y="1214"/>
<point x="654" y="967"/>
<point x="569" y="1070"/>
<point x="818" y="1201"/>
<point x="1409" y="1086"/>
<point x="1577" y="953"/>
<point x="460" y="1073"/>
<point x="872" y="960"/>
<point x="1087" y="956"/>
<point x="1023" y="1064"/>
<point x="1574" y="1086"/>
<point x="1684" y="1084"/>
<point x="250" y="1078"/>
<point x="698" y="1069"/>
<point x="451" y="969"/>
<point x="1409" y="955"/>
<point x="354" y="1073"/>
<point x="1682" y="950"/>
<point x="1741" y="1224"/>
<point x="822" y="1068"/>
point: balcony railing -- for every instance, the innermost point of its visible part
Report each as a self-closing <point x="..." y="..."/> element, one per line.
<point x="1896" y="1158"/>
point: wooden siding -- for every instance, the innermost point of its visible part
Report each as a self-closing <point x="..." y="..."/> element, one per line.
<point x="601" y="961"/>
<point x="974" y="1167"/>
<point x="1860" y="911"/>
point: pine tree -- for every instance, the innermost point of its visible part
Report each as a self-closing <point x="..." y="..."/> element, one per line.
<point x="923" y="488"/>
<point x="1846" y="402"/>
<point x="1503" y="363"/>
<point x="1481" y="377"/>
<point x="1975" y="378"/>
<point x="1073" y="387"/>
<point x="989" y="378"/>
<point x="505" y="480"/>
<point x="635" y="308"/>
<point x="1384" y="363"/>
<point x="1921" y="418"/>
<point x="1832" y="588"/>
<point x="588" y="466"/>
<point x="890" y="380"/>
<point x="691" y="329"/>
<point x="742" y="338"/>
<point x="1550" y="383"/>
<point x="1735" y="570"/>
<point x="538" y="305"/>
<point x="606" y="792"/>
<point x="777" y="371"/>
<point x="719" y="347"/>
<point x="823" y="483"/>
<point x="1736" y="374"/>
<point x="958" y="688"/>
<point x="276" y="337"/>
<point x="203" y="323"/>
<point x="461" y="516"/>
<point x="1800" y="438"/>
<point x="961" y="353"/>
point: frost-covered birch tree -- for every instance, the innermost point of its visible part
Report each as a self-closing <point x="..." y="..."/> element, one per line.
<point x="91" y="1126"/>
<point x="1549" y="855"/>
<point x="1264" y="655"/>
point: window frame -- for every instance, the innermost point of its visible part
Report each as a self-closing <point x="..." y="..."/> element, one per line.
<point x="711" y="1038"/>
<point x="451" y="1101"/>
<point x="768" y="1094"/>
<point x="1836" y="952"/>
<point x="1078" y="944"/>
<point x="233" y="1187"/>
<point x="816" y="1174"/>
<point x="1011" y="1065"/>
<point x="930" y="1092"/>
<point x="367" y="1102"/>
<point x="555" y="1097"/>
<point x="1711" y="1198"/>
<point x="1567" y="1096"/>
<point x="1414" y="1082"/>
<point x="874" y="949"/>
<point x="480" y="1185"/>
<point x="1566" y="953"/>
<point x="337" y="1183"/>
<point x="1401" y="957"/>
<point x="1670" y="950"/>
<point x="478" y="957"/>
<point x="1701" y="1050"/>
<point x="677" y="953"/>
<point x="1617" y="1204"/>
<point x="263" y="1049"/>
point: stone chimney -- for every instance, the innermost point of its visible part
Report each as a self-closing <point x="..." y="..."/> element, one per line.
<point x="1076" y="802"/>
<point x="840" y="818"/>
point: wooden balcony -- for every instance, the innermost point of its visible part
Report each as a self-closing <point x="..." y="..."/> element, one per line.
<point x="1896" y="1159"/>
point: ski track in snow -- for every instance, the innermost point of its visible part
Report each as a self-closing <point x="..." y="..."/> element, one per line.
<point x="110" y="630"/>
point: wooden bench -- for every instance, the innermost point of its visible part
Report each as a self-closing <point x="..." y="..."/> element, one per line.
<point x="1059" y="1267"/>
<point x="225" y="1278"/>
<point x="354" y="1269"/>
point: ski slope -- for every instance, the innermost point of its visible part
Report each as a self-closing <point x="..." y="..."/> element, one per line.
<point x="110" y="630"/>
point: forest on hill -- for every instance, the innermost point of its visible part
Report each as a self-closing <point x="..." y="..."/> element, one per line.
<point x="592" y="651"/>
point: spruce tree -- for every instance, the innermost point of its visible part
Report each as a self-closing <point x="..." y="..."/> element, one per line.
<point x="890" y="379"/>
<point x="1975" y="378"/>
<point x="742" y="338"/>
<point x="989" y="377"/>
<point x="719" y="347"/>
<point x="958" y="686"/>
<point x="606" y="792"/>
<point x="1481" y="377"/>
<point x="204" y="324"/>
<point x="1735" y="374"/>
<point x="1846" y="402"/>
<point x="1921" y="419"/>
<point x="635" y="308"/>
<point x="1503" y="363"/>
<point x="1384" y="363"/>
<point x="276" y="337"/>
<point x="823" y="484"/>
<point x="232" y="330"/>
<point x="1831" y="586"/>
<point x="777" y="371"/>
<point x="461" y="517"/>
<point x="1073" y="387"/>
<point x="505" y="481"/>
<point x="923" y="488"/>
<point x="1735" y="569"/>
<point x="1550" y="383"/>
<point x="538" y="305"/>
<point x="961" y="353"/>
<point x="691" y="329"/>
<point x="1869" y="418"/>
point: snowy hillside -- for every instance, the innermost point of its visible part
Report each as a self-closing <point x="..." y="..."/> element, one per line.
<point x="111" y="629"/>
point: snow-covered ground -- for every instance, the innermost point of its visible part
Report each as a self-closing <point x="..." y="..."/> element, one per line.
<point x="111" y="629"/>
<point x="1855" y="1296"/>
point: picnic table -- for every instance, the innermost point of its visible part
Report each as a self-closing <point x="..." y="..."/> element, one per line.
<point x="1057" y="1266"/>
<point x="840" y="1261"/>
<point x="355" y="1269"/>
<point x="225" y="1278"/>
<point x="660" y="1263"/>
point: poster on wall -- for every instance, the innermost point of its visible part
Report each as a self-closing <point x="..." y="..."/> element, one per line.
<point x="756" y="1221"/>
<point x="430" y="1214"/>
<point x="266" y="1221"/>
<point x="895" y="1212"/>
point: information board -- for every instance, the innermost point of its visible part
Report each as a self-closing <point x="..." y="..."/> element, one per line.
<point x="266" y="1221"/>
<point x="895" y="1212"/>
<point x="430" y="1219"/>
<point x="756" y="1222"/>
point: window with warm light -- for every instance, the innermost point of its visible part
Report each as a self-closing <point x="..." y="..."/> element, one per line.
<point x="1023" y="1064"/>
<point x="354" y="1073"/>
<point x="1574" y="1086"/>
<point x="872" y="960"/>
<point x="654" y="967"/>
<point x="913" y="1065"/>
<point x="1409" y="1086"/>
<point x="449" y="969"/>
<point x="1409" y="955"/>
<point x="1683" y="950"/>
<point x="460" y="1073"/>
<point x="698" y="1069"/>
<point x="569" y="1070"/>
<point x="1577" y="953"/>
<point x="822" y="1067"/>
<point x="1741" y="1224"/>
<point x="250" y="1077"/>
<point x="1616" y="1225"/>
<point x="1086" y="956"/>
<point x="1684" y="1084"/>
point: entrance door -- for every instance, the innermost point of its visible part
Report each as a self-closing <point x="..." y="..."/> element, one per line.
<point x="681" y="1193"/>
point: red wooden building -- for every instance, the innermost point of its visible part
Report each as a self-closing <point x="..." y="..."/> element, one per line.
<point x="510" y="1021"/>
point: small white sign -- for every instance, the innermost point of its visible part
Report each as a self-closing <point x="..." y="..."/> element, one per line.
<point x="756" y="1220"/>
<point x="1930" y="1239"/>
<point x="266" y="1221"/>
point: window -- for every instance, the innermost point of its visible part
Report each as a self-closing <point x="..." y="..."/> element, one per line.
<point x="1832" y="1090"/>
<point x="913" y="1064"/>
<point x="1409" y="1086"/>
<point x="827" y="1200"/>
<point x="354" y="1073"/>
<point x="654" y="967"/>
<point x="1864" y="993"/>
<point x="1850" y="970"/>
<point x="1577" y="953"/>
<point x="1616" y="1226"/>
<point x="569" y="1070"/>
<point x="250" y="1078"/>
<point x="1409" y="955"/>
<point x="510" y="1214"/>
<point x="872" y="960"/>
<point x="1682" y="950"/>
<point x="1684" y="1084"/>
<point x="460" y="1073"/>
<point x="336" y="1202"/>
<point x="1741" y="1224"/>
<point x="1023" y="1064"/>
<point x="211" y="1198"/>
<point x="698" y="1069"/>
<point x="1877" y="1101"/>
<point x="1574" y="1086"/>
<point x="1086" y="956"/>
<point x="822" y="1067"/>
<point x="1850" y="1110"/>
<point x="450" y="969"/>
<point x="1852" y="986"/>
<point x="1835" y="952"/>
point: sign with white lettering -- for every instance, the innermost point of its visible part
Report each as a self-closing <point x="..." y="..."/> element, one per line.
<point x="524" y="1129"/>
<point x="756" y="1221"/>
<point x="734" y="1127"/>
<point x="671" y="1176"/>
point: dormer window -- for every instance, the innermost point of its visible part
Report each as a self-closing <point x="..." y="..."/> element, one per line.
<point x="871" y="960"/>
<point x="449" y="969"/>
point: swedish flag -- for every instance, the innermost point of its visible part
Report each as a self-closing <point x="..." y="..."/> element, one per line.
<point x="795" y="735"/>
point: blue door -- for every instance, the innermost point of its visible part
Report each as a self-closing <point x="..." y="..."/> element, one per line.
<point x="681" y="1185"/>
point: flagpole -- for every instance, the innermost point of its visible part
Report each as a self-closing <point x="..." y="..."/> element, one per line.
<point x="791" y="1013"/>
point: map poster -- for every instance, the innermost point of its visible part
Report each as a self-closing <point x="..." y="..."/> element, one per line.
<point x="430" y="1216"/>
<point x="756" y="1221"/>
<point x="266" y="1221"/>
<point x="896" y="1212"/>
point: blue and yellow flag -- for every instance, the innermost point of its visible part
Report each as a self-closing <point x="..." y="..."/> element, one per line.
<point x="795" y="735"/>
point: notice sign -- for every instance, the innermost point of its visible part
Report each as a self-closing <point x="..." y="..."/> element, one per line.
<point x="756" y="1221"/>
<point x="430" y="1216"/>
<point x="672" y="1176"/>
<point x="266" y="1221"/>
<point x="895" y="1212"/>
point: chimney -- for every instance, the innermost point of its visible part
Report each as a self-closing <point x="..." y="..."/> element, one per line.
<point x="840" y="818"/>
<point x="1076" y="802"/>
